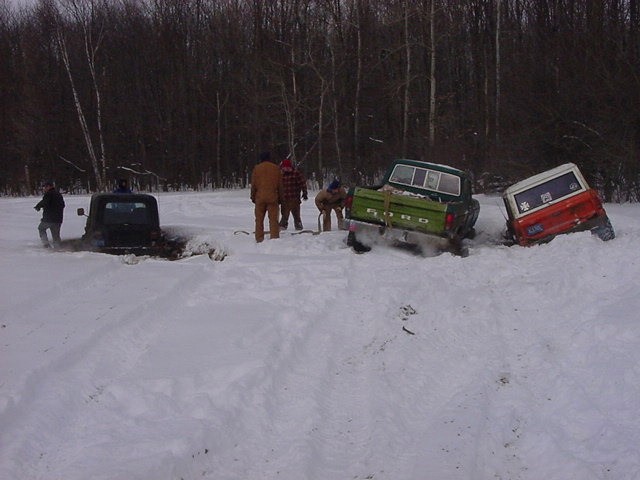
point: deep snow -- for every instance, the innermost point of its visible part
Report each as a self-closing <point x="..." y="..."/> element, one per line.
<point x="288" y="359"/>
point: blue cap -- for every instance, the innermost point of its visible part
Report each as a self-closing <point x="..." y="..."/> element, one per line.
<point x="334" y="185"/>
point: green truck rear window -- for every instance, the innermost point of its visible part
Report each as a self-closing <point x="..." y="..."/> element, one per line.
<point x="432" y="180"/>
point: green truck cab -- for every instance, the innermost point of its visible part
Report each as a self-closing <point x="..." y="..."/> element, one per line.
<point x="417" y="203"/>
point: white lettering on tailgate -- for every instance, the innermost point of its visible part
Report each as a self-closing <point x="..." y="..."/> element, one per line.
<point x="403" y="216"/>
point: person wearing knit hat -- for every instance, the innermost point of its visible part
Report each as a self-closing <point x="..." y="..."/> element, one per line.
<point x="294" y="184"/>
<point x="286" y="165"/>
<point x="331" y="199"/>
<point x="266" y="194"/>
<point x="333" y="185"/>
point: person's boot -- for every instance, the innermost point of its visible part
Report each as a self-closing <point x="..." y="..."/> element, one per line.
<point x="299" y="226"/>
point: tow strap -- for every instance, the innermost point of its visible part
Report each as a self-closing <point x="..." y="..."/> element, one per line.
<point x="387" y="202"/>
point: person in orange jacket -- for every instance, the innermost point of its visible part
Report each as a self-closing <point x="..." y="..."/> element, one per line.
<point x="266" y="194"/>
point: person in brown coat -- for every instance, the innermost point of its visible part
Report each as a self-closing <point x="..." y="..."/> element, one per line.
<point x="294" y="184"/>
<point x="331" y="199"/>
<point x="266" y="194"/>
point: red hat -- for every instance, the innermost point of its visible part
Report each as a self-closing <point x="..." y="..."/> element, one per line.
<point x="286" y="165"/>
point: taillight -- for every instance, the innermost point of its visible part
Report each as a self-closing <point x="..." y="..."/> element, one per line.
<point x="348" y="201"/>
<point x="448" y="221"/>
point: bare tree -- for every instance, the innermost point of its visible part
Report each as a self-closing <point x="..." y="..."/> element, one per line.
<point x="432" y="75"/>
<point x="82" y="12"/>
<point x="497" y="47"/>
<point x="407" y="79"/>
<point x="358" y="89"/>
<point x="100" y="179"/>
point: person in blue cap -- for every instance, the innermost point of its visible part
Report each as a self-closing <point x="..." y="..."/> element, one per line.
<point x="331" y="199"/>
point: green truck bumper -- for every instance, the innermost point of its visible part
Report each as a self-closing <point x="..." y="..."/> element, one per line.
<point x="370" y="234"/>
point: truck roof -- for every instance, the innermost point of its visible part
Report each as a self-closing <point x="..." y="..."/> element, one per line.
<point x="125" y="197"/>
<point x="543" y="176"/>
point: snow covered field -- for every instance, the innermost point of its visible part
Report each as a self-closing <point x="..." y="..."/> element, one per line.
<point x="288" y="359"/>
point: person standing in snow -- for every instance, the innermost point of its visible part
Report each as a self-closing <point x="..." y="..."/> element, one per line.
<point x="331" y="199"/>
<point x="294" y="184"/>
<point x="52" y="206"/>
<point x="266" y="194"/>
<point x="123" y="186"/>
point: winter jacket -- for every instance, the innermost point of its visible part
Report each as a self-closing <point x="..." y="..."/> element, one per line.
<point x="293" y="183"/>
<point x="52" y="205"/>
<point x="327" y="200"/>
<point x="266" y="183"/>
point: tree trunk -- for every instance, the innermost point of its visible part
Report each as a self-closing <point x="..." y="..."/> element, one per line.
<point x="291" y="116"/>
<point x="407" y="82"/>
<point x="90" y="52"/>
<point x="432" y="77"/>
<point x="497" y="112"/>
<point x="323" y="91"/>
<point x="100" y="179"/>
<point x="218" y="140"/>
<point x="336" y="112"/>
<point x="356" y="107"/>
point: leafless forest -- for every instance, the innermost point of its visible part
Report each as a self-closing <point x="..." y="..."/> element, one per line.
<point x="185" y="94"/>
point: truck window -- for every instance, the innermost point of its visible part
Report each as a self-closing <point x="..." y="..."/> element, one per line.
<point x="439" y="182"/>
<point x="449" y="184"/>
<point x="546" y="192"/>
<point x="116" y="213"/>
<point x="432" y="180"/>
<point x="419" y="177"/>
<point x="402" y="174"/>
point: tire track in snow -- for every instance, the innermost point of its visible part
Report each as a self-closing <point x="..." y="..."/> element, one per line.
<point x="269" y="428"/>
<point x="324" y="410"/>
<point x="352" y="393"/>
<point x="89" y="360"/>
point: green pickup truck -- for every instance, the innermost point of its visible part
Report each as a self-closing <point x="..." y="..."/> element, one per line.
<point x="417" y="203"/>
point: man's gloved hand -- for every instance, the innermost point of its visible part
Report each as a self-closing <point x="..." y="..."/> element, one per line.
<point x="37" y="208"/>
<point x="304" y="197"/>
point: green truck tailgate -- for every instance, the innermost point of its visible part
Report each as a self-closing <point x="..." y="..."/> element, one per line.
<point x="399" y="211"/>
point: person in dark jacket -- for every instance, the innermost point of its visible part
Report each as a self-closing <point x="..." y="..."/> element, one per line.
<point x="266" y="194"/>
<point x="294" y="184"/>
<point x="52" y="206"/>
<point x="123" y="186"/>
<point x="331" y="199"/>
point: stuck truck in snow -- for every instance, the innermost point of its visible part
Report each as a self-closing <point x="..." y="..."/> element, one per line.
<point x="417" y="203"/>
<point x="124" y="223"/>
<point x="551" y="203"/>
